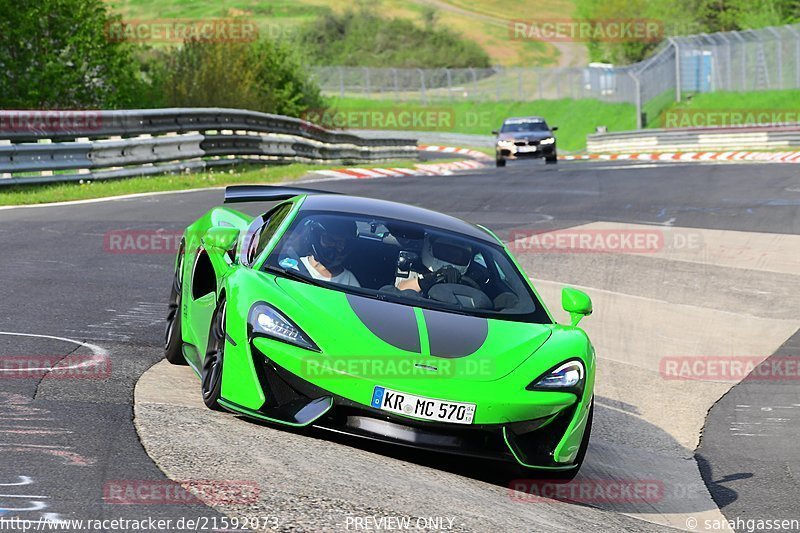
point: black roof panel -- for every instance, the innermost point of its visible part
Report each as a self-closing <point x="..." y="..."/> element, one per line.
<point x="384" y="209"/>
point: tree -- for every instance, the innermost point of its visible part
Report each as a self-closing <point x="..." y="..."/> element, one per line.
<point x="57" y="54"/>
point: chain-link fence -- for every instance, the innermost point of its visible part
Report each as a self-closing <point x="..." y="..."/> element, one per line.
<point x="475" y="84"/>
<point x="765" y="59"/>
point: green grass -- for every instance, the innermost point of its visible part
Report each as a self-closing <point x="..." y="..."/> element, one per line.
<point x="724" y="101"/>
<point x="61" y="192"/>
<point x="574" y="118"/>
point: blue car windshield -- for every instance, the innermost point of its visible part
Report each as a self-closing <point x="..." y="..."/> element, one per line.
<point x="405" y="262"/>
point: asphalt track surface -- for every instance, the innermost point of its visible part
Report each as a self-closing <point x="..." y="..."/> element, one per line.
<point x="66" y="442"/>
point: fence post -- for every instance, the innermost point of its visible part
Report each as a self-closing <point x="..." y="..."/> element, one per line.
<point x="474" y="79"/>
<point x="796" y="55"/>
<point x="558" y="83"/>
<point x="396" y="89"/>
<point x="539" y="80"/>
<point x="743" y="46"/>
<point x="779" y="56"/>
<point x="341" y="82"/>
<point x="729" y="69"/>
<point x="519" y="84"/>
<point x="449" y="84"/>
<point x="422" y="86"/>
<point x="678" y="80"/>
<point x="638" y="98"/>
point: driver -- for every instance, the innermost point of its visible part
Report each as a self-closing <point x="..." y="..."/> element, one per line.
<point x="446" y="259"/>
<point x="331" y="239"/>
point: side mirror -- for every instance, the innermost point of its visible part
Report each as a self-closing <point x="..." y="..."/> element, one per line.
<point x="220" y="238"/>
<point x="554" y="128"/>
<point x="576" y="303"/>
<point x="495" y="132"/>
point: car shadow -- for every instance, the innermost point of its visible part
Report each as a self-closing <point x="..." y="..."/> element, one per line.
<point x="632" y="466"/>
<point x="722" y="495"/>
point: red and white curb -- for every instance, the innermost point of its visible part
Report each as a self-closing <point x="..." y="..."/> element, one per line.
<point x="421" y="169"/>
<point x="475" y="154"/>
<point x="769" y="157"/>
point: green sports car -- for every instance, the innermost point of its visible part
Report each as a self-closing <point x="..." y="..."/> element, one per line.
<point x="380" y="320"/>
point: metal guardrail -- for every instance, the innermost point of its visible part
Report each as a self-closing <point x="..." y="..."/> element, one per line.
<point x="695" y="139"/>
<point x="118" y="144"/>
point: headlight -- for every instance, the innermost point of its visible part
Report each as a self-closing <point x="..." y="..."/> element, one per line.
<point x="505" y="144"/>
<point x="549" y="140"/>
<point x="567" y="376"/>
<point x="265" y="321"/>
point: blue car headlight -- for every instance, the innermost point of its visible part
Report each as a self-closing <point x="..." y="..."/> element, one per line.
<point x="567" y="377"/>
<point x="549" y="140"/>
<point x="266" y="321"/>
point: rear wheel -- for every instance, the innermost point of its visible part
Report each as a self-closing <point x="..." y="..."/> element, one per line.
<point x="211" y="375"/>
<point x="173" y="338"/>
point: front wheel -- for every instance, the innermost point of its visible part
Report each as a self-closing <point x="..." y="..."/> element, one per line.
<point x="500" y="162"/>
<point x="211" y="375"/>
<point x="173" y="338"/>
<point x="551" y="159"/>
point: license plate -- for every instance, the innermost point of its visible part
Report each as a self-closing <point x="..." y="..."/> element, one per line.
<point x="421" y="407"/>
<point x="527" y="148"/>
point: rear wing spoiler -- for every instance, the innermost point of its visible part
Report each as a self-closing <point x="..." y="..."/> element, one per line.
<point x="265" y="193"/>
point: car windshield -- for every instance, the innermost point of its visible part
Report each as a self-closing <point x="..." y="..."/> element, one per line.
<point x="404" y="262"/>
<point x="522" y="126"/>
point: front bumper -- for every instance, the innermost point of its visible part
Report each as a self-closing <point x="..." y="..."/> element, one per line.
<point x="536" y="151"/>
<point x="548" y="442"/>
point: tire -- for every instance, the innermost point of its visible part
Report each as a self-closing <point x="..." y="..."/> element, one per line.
<point x="173" y="338"/>
<point x="211" y="374"/>
<point x="569" y="475"/>
<point x="500" y="162"/>
<point x="551" y="159"/>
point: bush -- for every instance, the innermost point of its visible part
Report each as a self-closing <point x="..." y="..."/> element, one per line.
<point x="262" y="76"/>
<point x="365" y="39"/>
<point x="56" y="54"/>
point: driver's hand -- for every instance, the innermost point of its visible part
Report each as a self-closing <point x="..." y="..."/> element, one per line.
<point x="447" y="274"/>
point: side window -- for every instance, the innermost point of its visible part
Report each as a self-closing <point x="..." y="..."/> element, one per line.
<point x="265" y="233"/>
